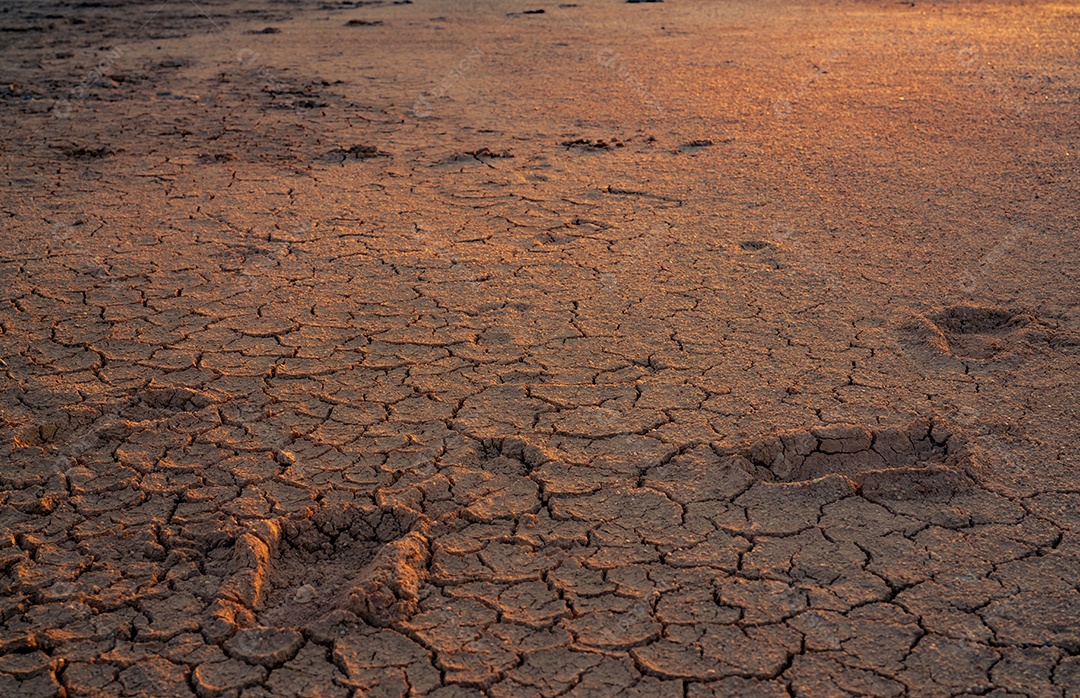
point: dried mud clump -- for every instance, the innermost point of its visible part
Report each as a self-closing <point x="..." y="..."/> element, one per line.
<point x="754" y="245"/>
<point x="588" y="144"/>
<point x="357" y="152"/>
<point x="291" y="572"/>
<point x="911" y="457"/>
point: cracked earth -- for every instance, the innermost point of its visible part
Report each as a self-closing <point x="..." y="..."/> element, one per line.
<point x="484" y="349"/>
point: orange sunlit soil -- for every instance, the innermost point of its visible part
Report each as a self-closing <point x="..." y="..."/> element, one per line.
<point x="446" y="348"/>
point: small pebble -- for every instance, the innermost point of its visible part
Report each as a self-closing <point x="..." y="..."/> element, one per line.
<point x="61" y="590"/>
<point x="304" y="594"/>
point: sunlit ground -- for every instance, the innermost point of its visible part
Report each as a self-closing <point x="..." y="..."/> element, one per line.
<point x="538" y="349"/>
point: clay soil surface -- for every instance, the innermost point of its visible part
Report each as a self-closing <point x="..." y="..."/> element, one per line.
<point x="603" y="348"/>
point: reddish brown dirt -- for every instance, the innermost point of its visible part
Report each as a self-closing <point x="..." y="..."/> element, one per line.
<point x="618" y="349"/>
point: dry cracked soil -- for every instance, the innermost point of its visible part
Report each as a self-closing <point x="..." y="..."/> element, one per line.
<point x="434" y="348"/>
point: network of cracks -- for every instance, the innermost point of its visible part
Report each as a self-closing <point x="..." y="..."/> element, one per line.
<point x="839" y="558"/>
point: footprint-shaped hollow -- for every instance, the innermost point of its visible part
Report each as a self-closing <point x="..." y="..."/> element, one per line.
<point x="289" y="572"/>
<point x="851" y="450"/>
<point x="977" y="332"/>
<point x="970" y="319"/>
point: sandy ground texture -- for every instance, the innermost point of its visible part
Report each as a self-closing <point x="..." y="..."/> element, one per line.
<point x="524" y="349"/>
